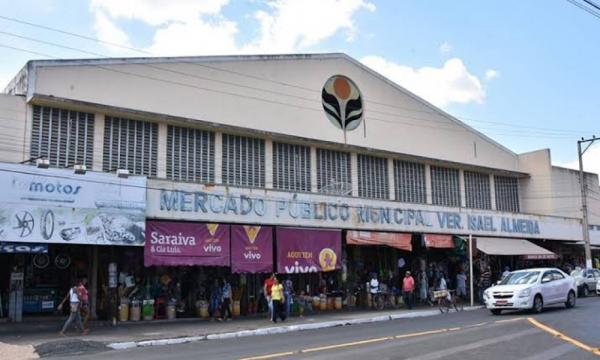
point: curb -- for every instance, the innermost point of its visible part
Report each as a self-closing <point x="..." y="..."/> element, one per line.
<point x="278" y="329"/>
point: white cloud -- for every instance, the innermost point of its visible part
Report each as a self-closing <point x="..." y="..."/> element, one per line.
<point x="108" y="31"/>
<point x="185" y="27"/>
<point x="293" y="25"/>
<point x="491" y="74"/>
<point x="591" y="161"/>
<point x="446" y="48"/>
<point x="451" y="83"/>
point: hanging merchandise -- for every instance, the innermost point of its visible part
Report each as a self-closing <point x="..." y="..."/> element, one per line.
<point x="62" y="261"/>
<point x="112" y="275"/>
<point x="41" y="261"/>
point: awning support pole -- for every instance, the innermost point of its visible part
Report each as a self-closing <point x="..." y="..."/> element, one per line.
<point x="471" y="268"/>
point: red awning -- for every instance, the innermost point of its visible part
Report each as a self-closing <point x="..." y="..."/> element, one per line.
<point x="438" y="241"/>
<point x="396" y="240"/>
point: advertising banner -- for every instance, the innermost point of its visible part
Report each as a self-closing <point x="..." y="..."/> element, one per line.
<point x="308" y="250"/>
<point x="438" y="241"/>
<point x="181" y="243"/>
<point x="251" y="249"/>
<point x="58" y="206"/>
<point x="395" y="240"/>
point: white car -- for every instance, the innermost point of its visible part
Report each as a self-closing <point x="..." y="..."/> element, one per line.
<point x="598" y="288"/>
<point x="531" y="289"/>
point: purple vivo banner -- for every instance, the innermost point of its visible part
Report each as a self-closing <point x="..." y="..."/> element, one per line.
<point x="308" y="250"/>
<point x="181" y="243"/>
<point x="251" y="249"/>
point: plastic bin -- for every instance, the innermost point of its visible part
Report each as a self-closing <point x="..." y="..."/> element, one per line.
<point x="148" y="309"/>
<point x="135" y="311"/>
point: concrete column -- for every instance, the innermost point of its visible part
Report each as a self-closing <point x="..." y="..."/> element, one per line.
<point x="428" y="194"/>
<point x="218" y="158"/>
<point x="97" y="160"/>
<point x="161" y="165"/>
<point x="27" y="134"/>
<point x="354" y="173"/>
<point x="461" y="185"/>
<point x="391" y="179"/>
<point x="269" y="163"/>
<point x="313" y="169"/>
<point x="493" y="191"/>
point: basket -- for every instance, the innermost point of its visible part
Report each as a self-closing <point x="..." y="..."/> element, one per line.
<point x="440" y="294"/>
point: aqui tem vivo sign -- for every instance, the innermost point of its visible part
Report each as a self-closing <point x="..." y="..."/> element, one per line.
<point x="342" y="103"/>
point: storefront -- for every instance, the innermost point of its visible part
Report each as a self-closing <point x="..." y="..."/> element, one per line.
<point x="57" y="227"/>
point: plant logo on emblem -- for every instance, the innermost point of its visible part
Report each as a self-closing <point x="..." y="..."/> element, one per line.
<point x="327" y="259"/>
<point x="342" y="102"/>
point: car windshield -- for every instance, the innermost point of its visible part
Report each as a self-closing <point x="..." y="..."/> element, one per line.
<point x="520" y="278"/>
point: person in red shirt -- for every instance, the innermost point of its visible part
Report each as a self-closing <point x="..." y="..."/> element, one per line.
<point x="267" y="291"/>
<point x="408" y="287"/>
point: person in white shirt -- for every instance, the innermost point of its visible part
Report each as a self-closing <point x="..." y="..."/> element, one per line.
<point x="74" y="306"/>
<point x="373" y="288"/>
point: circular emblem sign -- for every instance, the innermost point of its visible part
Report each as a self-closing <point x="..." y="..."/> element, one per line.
<point x="327" y="259"/>
<point x="342" y="102"/>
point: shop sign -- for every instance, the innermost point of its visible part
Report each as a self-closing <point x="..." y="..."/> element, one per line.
<point x="438" y="241"/>
<point x="179" y="243"/>
<point x="58" y="206"/>
<point x="251" y="249"/>
<point x="308" y="250"/>
<point x="14" y="248"/>
<point x="194" y="202"/>
<point x="395" y="240"/>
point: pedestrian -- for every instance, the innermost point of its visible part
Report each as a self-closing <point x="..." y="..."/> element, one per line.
<point x="288" y="292"/>
<point x="267" y="291"/>
<point x="373" y="288"/>
<point x="215" y="299"/>
<point x="85" y="304"/>
<point x="74" y="316"/>
<point x="226" y="301"/>
<point x="277" y="298"/>
<point x="506" y="272"/>
<point x="485" y="281"/>
<point x="408" y="287"/>
<point x="461" y="284"/>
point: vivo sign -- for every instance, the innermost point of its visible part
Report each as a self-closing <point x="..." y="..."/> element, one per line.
<point x="221" y="204"/>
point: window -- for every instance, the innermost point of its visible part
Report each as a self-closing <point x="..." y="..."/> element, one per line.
<point x="291" y="167"/>
<point x="445" y="186"/>
<point x="190" y="155"/>
<point x="507" y="193"/>
<point x="557" y="275"/>
<point x="130" y="144"/>
<point x="372" y="177"/>
<point x="64" y="137"/>
<point x="243" y="161"/>
<point x="333" y="172"/>
<point x="477" y="190"/>
<point x="410" y="182"/>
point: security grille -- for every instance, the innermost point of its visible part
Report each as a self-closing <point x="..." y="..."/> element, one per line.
<point x="373" y="177"/>
<point x="477" y="190"/>
<point x="190" y="155"/>
<point x="507" y="193"/>
<point x="291" y="167"/>
<point x="243" y="161"/>
<point x="410" y="182"/>
<point x="130" y="144"/>
<point x="333" y="172"/>
<point x="445" y="186"/>
<point x="64" y="137"/>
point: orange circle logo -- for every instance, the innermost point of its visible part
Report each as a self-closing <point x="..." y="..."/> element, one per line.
<point x="342" y="102"/>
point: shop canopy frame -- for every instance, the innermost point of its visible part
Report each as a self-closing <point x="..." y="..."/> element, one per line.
<point x="514" y="247"/>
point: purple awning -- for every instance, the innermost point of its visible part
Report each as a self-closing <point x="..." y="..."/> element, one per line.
<point x="302" y="250"/>
<point x="185" y="243"/>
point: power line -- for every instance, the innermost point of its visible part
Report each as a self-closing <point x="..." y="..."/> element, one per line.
<point x="591" y="3"/>
<point x="584" y="8"/>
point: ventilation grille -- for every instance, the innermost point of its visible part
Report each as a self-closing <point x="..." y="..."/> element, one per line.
<point x="445" y="186"/>
<point x="130" y="144"/>
<point x="372" y="177"/>
<point x="190" y="155"/>
<point x="243" y="161"/>
<point x="291" y="167"/>
<point x="410" y="182"/>
<point x="333" y="171"/>
<point x="477" y="190"/>
<point x="507" y="193"/>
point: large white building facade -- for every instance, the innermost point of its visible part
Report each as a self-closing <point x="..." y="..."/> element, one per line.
<point x="309" y="141"/>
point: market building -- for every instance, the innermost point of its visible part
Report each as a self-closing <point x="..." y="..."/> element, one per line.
<point x="312" y="166"/>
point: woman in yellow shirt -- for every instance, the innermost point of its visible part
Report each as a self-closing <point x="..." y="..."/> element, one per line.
<point x="278" y="298"/>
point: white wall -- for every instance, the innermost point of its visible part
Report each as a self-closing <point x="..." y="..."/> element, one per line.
<point x="196" y="91"/>
<point x="13" y="129"/>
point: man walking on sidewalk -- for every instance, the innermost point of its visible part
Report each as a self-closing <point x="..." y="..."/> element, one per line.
<point x="267" y="291"/>
<point x="408" y="288"/>
<point x="226" y="303"/>
<point x="74" y="299"/>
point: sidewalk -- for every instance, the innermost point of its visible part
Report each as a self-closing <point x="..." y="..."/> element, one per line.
<point x="43" y="336"/>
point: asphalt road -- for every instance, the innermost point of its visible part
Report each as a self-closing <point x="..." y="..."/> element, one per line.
<point x="466" y="335"/>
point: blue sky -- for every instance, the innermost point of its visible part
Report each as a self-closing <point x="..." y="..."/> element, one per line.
<point x="523" y="72"/>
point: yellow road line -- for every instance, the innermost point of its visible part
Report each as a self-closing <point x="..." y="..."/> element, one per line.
<point x="354" y="343"/>
<point x="564" y="337"/>
<point x="269" y="356"/>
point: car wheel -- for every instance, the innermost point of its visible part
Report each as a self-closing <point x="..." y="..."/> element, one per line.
<point x="571" y="299"/>
<point x="496" y="311"/>
<point x="538" y="304"/>
<point x="586" y="291"/>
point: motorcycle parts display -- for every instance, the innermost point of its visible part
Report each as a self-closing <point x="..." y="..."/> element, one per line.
<point x="41" y="261"/>
<point x="62" y="261"/>
<point x="47" y="224"/>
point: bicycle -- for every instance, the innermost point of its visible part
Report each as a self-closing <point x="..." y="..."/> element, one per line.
<point x="448" y="299"/>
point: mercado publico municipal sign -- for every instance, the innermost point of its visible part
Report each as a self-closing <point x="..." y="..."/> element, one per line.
<point x="194" y="202"/>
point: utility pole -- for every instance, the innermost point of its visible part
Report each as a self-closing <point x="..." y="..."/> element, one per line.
<point x="584" y="210"/>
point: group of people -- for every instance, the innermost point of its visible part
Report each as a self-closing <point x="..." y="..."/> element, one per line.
<point x="279" y="297"/>
<point x="79" y="307"/>
<point x="220" y="299"/>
